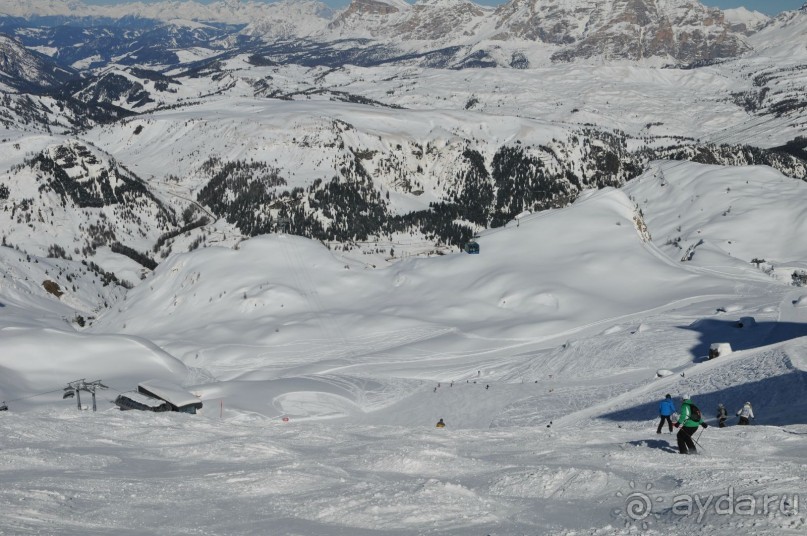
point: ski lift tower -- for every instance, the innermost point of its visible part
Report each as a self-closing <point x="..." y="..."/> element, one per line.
<point x="74" y="388"/>
<point x="91" y="388"/>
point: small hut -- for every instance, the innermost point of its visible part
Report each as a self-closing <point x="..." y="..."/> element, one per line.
<point x="472" y="248"/>
<point x="139" y="401"/>
<point x="159" y="395"/>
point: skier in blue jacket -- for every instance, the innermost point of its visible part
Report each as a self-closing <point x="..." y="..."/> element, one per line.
<point x="666" y="408"/>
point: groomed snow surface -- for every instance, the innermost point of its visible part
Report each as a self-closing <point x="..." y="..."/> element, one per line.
<point x="322" y="380"/>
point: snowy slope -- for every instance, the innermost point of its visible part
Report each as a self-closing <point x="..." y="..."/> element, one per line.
<point x="412" y="299"/>
<point x="540" y="353"/>
<point x="729" y="209"/>
<point x="25" y="70"/>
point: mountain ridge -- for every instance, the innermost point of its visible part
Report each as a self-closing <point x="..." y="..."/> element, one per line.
<point x="681" y="30"/>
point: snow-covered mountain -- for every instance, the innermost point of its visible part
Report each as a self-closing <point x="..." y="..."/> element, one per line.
<point x="226" y="11"/>
<point x="268" y="204"/>
<point x="745" y="19"/>
<point x="435" y="21"/>
<point x="24" y="70"/>
<point x="321" y="380"/>
<point x="632" y="29"/>
<point x="680" y="31"/>
<point x="71" y="201"/>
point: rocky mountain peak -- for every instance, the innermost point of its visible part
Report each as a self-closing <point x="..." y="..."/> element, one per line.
<point x="684" y="30"/>
<point x="440" y="21"/>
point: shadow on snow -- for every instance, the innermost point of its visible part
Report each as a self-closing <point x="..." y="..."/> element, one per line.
<point x="661" y="444"/>
<point x="776" y="400"/>
<point x="741" y="337"/>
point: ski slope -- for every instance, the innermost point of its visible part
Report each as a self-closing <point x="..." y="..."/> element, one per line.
<point x="540" y="353"/>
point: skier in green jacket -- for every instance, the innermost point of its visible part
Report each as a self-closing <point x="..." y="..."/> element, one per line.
<point x="689" y="419"/>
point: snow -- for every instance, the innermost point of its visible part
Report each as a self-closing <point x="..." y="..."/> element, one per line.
<point x="752" y="19"/>
<point x="721" y="348"/>
<point x="322" y="376"/>
<point x="169" y="392"/>
<point x="543" y="354"/>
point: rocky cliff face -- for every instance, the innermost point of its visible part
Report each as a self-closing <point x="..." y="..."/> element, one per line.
<point x="684" y="30"/>
<point x="438" y="21"/>
<point x="677" y="30"/>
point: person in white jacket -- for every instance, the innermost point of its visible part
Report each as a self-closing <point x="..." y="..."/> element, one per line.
<point x="746" y="413"/>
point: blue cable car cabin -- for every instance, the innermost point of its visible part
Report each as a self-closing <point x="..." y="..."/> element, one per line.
<point x="472" y="248"/>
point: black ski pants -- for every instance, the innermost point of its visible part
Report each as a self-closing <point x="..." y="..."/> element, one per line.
<point x="661" y="423"/>
<point x="684" y="436"/>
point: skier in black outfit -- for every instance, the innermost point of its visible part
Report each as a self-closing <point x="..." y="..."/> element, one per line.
<point x="689" y="420"/>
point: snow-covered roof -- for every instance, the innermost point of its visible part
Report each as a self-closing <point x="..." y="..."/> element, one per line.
<point x="170" y="392"/>
<point x="140" y="398"/>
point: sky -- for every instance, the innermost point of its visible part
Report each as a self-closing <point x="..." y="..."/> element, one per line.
<point x="770" y="7"/>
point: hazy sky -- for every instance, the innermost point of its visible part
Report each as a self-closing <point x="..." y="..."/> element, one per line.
<point x="771" y="7"/>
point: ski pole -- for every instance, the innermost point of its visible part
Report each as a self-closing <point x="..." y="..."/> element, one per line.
<point x="696" y="441"/>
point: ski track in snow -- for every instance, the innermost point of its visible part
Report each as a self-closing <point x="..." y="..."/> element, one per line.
<point x="84" y="473"/>
<point x="541" y="357"/>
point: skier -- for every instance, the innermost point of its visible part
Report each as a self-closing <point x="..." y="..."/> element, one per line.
<point x="745" y="414"/>
<point x="722" y="415"/>
<point x="689" y="420"/>
<point x="440" y="424"/>
<point x="665" y="408"/>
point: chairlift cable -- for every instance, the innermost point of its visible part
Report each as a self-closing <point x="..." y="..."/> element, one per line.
<point x="61" y="389"/>
<point x="32" y="396"/>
